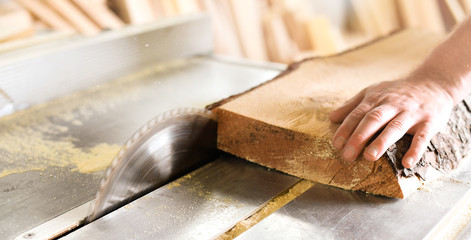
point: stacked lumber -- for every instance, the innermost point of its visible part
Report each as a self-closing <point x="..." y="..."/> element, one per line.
<point x="28" y="22"/>
<point x="144" y="11"/>
<point x="265" y="30"/>
<point x="87" y="17"/>
<point x="15" y="22"/>
<point x="283" y="124"/>
<point x="272" y="30"/>
<point x="288" y="30"/>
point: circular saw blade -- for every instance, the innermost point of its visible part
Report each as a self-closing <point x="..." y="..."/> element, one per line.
<point x="165" y="148"/>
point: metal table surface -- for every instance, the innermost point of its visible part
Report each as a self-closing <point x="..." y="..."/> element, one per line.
<point x="439" y="210"/>
<point x="52" y="155"/>
<point x="201" y="205"/>
<point x="197" y="207"/>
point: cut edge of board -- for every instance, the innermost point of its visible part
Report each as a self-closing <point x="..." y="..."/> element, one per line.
<point x="350" y="176"/>
<point x="361" y="175"/>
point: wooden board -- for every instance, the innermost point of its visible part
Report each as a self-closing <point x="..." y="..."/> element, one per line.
<point x="278" y="42"/>
<point x="15" y="21"/>
<point x="283" y="124"/>
<point x="75" y="17"/>
<point x="134" y="11"/>
<point x="249" y="28"/>
<point x="295" y="24"/>
<point x="421" y="14"/>
<point x="186" y="6"/>
<point x="46" y="14"/>
<point x="226" y="40"/>
<point x="99" y="12"/>
<point x="324" y="38"/>
<point x="456" y="10"/>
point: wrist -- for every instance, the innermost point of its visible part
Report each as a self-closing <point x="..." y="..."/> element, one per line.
<point x="438" y="74"/>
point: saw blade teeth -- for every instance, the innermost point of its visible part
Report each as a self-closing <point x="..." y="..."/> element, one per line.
<point x="164" y="116"/>
<point x="126" y="146"/>
<point x="108" y="173"/>
<point x="115" y="160"/>
<point x="185" y="110"/>
<point x="171" y="114"/>
<point x="122" y="150"/>
<point x="136" y="136"/>
<point x="144" y="129"/>
<point x="92" y="205"/>
<point x="102" y="185"/>
<point x="152" y="122"/>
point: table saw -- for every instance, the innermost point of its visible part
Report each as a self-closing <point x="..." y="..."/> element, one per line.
<point x="68" y="108"/>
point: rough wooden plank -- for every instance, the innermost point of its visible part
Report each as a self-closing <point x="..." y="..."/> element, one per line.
<point x="283" y="124"/>
<point x="99" y="12"/>
<point x="75" y="17"/>
<point x="249" y="28"/>
<point x="133" y="11"/>
<point x="46" y="14"/>
<point x="14" y="21"/>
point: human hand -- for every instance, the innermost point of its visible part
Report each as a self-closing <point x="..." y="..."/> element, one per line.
<point x="418" y="105"/>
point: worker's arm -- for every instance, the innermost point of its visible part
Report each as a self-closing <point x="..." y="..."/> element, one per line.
<point x="420" y="104"/>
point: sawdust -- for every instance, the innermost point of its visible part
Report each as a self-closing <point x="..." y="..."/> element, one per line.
<point x="97" y="159"/>
<point x="192" y="186"/>
<point x="173" y="185"/>
<point x="30" y="148"/>
<point x="39" y="137"/>
<point x="267" y="209"/>
<point x="230" y="201"/>
<point x="43" y="135"/>
<point x="127" y="206"/>
<point x="424" y="188"/>
<point x="178" y="182"/>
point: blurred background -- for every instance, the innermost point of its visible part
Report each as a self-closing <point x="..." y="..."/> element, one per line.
<point x="265" y="30"/>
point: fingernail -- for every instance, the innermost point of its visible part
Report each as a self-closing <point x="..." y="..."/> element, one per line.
<point x="339" y="142"/>
<point x="372" y="151"/>
<point x="409" y="161"/>
<point x="349" y="153"/>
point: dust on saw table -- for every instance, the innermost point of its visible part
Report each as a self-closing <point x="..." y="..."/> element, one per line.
<point x="52" y="155"/>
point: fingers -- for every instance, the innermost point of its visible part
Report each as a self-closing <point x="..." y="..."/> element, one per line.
<point x="371" y="123"/>
<point x="349" y="124"/>
<point x="342" y="112"/>
<point x="393" y="131"/>
<point x="418" y="146"/>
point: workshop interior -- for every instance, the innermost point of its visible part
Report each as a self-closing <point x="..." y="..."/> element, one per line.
<point x="205" y="119"/>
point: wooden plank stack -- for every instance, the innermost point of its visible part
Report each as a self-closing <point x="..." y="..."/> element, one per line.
<point x="86" y="17"/>
<point x="28" y="22"/>
<point x="14" y="22"/>
<point x="265" y="30"/>
<point x="291" y="31"/>
<point x="288" y="30"/>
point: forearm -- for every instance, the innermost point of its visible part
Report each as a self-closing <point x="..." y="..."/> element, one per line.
<point x="418" y="104"/>
<point x="450" y="63"/>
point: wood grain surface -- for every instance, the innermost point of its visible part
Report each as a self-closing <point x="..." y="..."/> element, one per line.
<point x="283" y="124"/>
